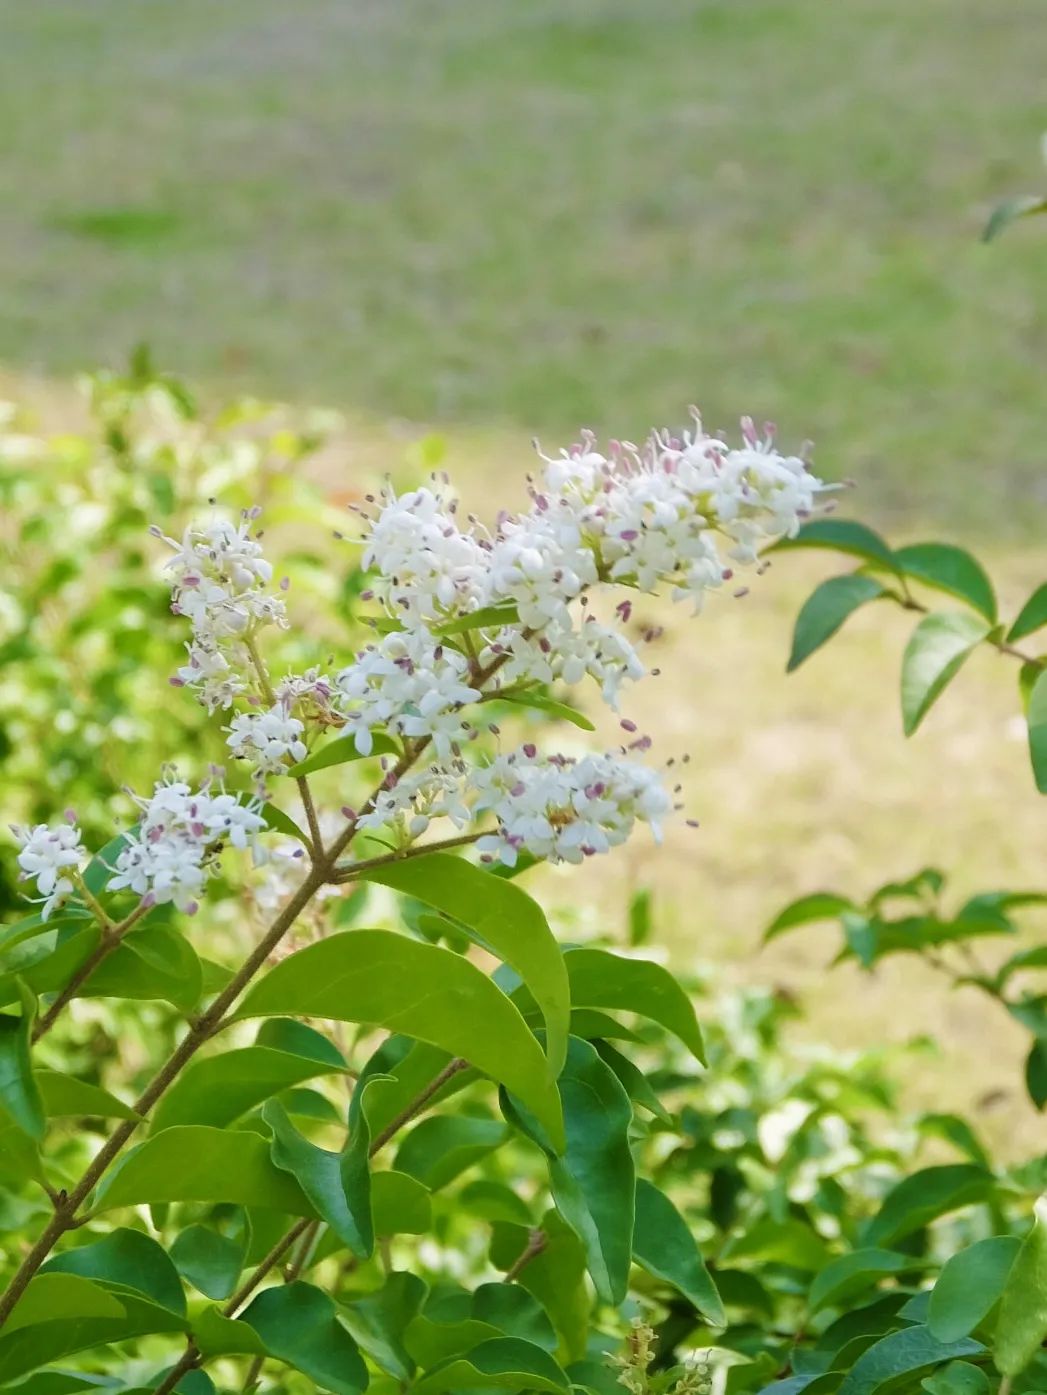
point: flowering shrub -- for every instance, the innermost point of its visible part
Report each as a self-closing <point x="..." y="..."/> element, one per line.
<point x="85" y="650"/>
<point x="455" y="1154"/>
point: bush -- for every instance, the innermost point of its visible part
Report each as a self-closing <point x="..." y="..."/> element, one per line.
<point x="456" y="1153"/>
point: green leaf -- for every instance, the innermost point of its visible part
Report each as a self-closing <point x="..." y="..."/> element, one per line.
<point x="1022" y="206"/>
<point x="601" y="979"/>
<point x="217" y="1335"/>
<point x="219" y="1089"/>
<point x="900" y="1354"/>
<point x="154" y="963"/>
<point x="958" y="1378"/>
<point x="280" y="822"/>
<point x="63" y="1383"/>
<point x="950" y="569"/>
<point x="379" y="1320"/>
<point x="789" y="1241"/>
<point x="494" y="1201"/>
<point x="1032" y="616"/>
<point x="556" y="1277"/>
<point x="500" y="917"/>
<point x="65" y="1094"/>
<point x="923" y="1197"/>
<point x="1022" y="1324"/>
<point x="1036" y="716"/>
<point x="387" y="980"/>
<point x="285" y="1034"/>
<point x="125" y="1259"/>
<point x="192" y="1162"/>
<point x="664" y="1245"/>
<point x="46" y="1342"/>
<point x="299" y="1325"/>
<point x="594" y="1182"/>
<point x="825" y="610"/>
<point x="1036" y="1073"/>
<point x="396" y="1074"/>
<point x="342" y="750"/>
<point x="970" y="1283"/>
<point x="400" y="1205"/>
<point x="851" y="1274"/>
<point x="487" y="617"/>
<point x="209" y="1261"/>
<point x="99" y="870"/>
<point x="840" y="535"/>
<point x="819" y="905"/>
<point x="19" y="1095"/>
<point x="502" y="1363"/>
<point x="319" y="1174"/>
<point x="49" y="1297"/>
<point x="560" y="711"/>
<point x="431" y="1343"/>
<point x="635" y="1083"/>
<point x="513" y="1311"/>
<point x="19" y="1154"/>
<point x="936" y="652"/>
<point x="442" y="1147"/>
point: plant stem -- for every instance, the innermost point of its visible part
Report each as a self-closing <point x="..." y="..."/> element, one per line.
<point x="204" y="1027"/>
<point x="349" y="870"/>
<point x="320" y="873"/>
<point x="307" y="1228"/>
<point x="111" y="937"/>
<point x="536" y="1243"/>
<point x="418" y="1103"/>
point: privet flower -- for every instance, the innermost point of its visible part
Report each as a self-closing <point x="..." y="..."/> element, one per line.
<point x="220" y="579"/>
<point x="679" y="514"/>
<point x="410" y="684"/>
<point x="269" y="740"/>
<point x="564" y="810"/>
<point x="45" y="855"/>
<point x="170" y="854"/>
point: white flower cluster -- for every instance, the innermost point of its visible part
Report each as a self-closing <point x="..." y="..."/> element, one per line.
<point x="269" y="740"/>
<point x="170" y="853"/>
<point x="46" y="855"/>
<point x="219" y="585"/>
<point x="410" y="684"/>
<point x="472" y="613"/>
<point x="564" y="810"/>
<point x="638" y="517"/>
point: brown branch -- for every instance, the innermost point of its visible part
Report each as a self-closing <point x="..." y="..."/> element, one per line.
<point x="537" y="1240"/>
<point x="349" y="870"/>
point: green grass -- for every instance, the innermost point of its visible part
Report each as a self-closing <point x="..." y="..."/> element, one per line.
<point x="530" y="214"/>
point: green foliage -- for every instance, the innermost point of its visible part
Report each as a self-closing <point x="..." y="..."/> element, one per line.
<point x="427" y="1146"/>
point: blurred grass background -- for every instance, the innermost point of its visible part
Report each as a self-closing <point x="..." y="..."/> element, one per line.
<point x="506" y="219"/>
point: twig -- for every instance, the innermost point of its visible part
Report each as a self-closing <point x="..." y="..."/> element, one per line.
<point x="536" y="1243"/>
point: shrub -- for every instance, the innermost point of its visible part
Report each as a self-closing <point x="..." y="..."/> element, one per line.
<point x="456" y="1154"/>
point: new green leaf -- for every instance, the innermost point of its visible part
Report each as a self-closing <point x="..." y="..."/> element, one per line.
<point x="936" y="652"/>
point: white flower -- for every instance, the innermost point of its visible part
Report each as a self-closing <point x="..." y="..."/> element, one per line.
<point x="408" y="806"/>
<point x="426" y="565"/>
<point x="219" y="581"/>
<point x="46" y="854"/>
<point x="562" y="809"/>
<point x="169" y="856"/>
<point x="411" y="685"/>
<point x="594" y="650"/>
<point x="269" y="740"/>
